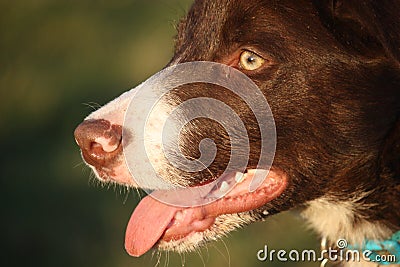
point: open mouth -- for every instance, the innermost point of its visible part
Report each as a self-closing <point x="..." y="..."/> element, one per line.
<point x="160" y="138"/>
<point x="153" y="222"/>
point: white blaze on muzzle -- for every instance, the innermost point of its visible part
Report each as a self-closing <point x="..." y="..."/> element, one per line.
<point x="114" y="111"/>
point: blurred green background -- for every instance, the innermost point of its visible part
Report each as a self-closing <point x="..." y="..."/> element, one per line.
<point x="58" y="60"/>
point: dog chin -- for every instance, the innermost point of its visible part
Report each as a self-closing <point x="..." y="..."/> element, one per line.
<point x="222" y="225"/>
<point x="118" y="174"/>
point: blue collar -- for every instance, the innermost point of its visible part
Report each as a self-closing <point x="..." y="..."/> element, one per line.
<point x="389" y="246"/>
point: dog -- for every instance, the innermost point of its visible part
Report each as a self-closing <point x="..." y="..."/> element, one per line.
<point x="330" y="70"/>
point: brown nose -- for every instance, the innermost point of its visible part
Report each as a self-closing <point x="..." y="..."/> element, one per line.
<point x="100" y="141"/>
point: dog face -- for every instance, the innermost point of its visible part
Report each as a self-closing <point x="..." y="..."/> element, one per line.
<point x="331" y="81"/>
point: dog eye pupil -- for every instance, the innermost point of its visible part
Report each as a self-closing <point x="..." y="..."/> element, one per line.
<point x="250" y="61"/>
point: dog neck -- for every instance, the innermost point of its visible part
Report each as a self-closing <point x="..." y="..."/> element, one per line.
<point x="334" y="220"/>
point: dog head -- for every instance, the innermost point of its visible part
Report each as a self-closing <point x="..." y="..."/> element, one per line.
<point x="330" y="74"/>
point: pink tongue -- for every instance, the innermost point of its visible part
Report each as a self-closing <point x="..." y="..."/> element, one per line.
<point x="151" y="218"/>
<point x="154" y="218"/>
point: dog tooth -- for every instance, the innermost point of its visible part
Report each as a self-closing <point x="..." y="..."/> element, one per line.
<point x="224" y="187"/>
<point x="265" y="212"/>
<point x="178" y="216"/>
<point x="239" y="177"/>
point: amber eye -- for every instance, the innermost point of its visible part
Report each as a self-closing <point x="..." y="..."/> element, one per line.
<point x="250" y="61"/>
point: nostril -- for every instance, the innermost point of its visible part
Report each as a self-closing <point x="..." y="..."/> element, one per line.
<point x="97" y="151"/>
<point x="99" y="140"/>
<point x="107" y="143"/>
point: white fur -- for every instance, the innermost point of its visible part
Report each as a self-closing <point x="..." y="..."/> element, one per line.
<point x="335" y="220"/>
<point x="154" y="129"/>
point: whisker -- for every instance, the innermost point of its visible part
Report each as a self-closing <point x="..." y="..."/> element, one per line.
<point x="205" y="166"/>
<point x="222" y="254"/>
<point x="201" y="256"/>
<point x="93" y="105"/>
<point x="78" y="164"/>
<point x="183" y="259"/>
<point x="227" y="252"/>
<point x="158" y="259"/>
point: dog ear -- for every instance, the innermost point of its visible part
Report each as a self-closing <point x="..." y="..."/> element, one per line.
<point x="367" y="27"/>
